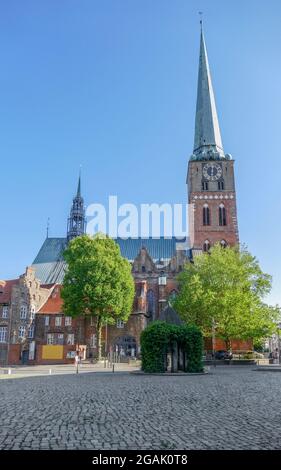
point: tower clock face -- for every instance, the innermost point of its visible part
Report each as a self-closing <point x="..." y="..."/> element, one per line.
<point x="212" y="171"/>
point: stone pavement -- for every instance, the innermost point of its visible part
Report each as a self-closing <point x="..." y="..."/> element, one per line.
<point x="232" y="408"/>
<point x="16" y="372"/>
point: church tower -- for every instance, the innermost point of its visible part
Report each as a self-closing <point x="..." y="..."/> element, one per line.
<point x="76" y="224"/>
<point x="210" y="176"/>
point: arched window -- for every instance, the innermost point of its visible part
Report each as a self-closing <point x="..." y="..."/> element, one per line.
<point x="206" y="215"/>
<point x="21" y="331"/>
<point x="223" y="244"/>
<point x="173" y="294"/>
<point x="222" y="215"/>
<point x="23" y="312"/>
<point x="206" y="246"/>
<point x="150" y="301"/>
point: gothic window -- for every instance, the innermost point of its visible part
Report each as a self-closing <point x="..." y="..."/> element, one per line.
<point x="120" y="324"/>
<point x="68" y="321"/>
<point x="3" y="334"/>
<point x="206" y="215"/>
<point x="223" y="244"/>
<point x="173" y="294"/>
<point x="205" y="186"/>
<point x="222" y="215"/>
<point x="32" y="312"/>
<point x="220" y="185"/>
<point x="206" y="246"/>
<point x="31" y="332"/>
<point x="21" y="331"/>
<point x="150" y="299"/>
<point x="5" y="312"/>
<point x="143" y="269"/>
<point x="23" y="312"/>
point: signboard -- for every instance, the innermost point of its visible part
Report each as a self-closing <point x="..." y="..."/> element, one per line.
<point x="71" y="354"/>
<point x="51" y="351"/>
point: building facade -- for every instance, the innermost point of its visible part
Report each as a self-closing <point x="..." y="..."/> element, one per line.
<point x="210" y="176"/>
<point x="155" y="262"/>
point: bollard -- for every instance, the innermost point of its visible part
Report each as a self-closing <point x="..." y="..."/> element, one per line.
<point x="9" y="371"/>
<point x="112" y="367"/>
<point x="50" y="371"/>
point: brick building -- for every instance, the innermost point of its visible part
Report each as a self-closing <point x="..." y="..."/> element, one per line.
<point x="20" y="299"/>
<point x="155" y="262"/>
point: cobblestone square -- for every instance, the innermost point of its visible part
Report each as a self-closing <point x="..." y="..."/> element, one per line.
<point x="232" y="408"/>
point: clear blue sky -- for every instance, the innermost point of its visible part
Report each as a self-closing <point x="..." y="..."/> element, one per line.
<point x="111" y="85"/>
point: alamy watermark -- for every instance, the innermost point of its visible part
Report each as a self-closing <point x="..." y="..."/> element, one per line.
<point x="146" y="220"/>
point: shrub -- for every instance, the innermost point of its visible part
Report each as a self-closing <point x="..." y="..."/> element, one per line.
<point x="159" y="336"/>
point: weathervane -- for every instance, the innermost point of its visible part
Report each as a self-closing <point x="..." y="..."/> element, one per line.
<point x="48" y="226"/>
<point x="201" y="17"/>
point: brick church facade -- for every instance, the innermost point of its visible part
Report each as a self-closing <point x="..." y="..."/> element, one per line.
<point x="44" y="335"/>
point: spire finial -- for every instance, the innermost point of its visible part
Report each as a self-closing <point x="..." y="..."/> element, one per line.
<point x="48" y="226"/>
<point x="200" y="13"/>
<point x="79" y="182"/>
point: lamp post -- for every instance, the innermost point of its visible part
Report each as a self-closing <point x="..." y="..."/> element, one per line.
<point x="214" y="341"/>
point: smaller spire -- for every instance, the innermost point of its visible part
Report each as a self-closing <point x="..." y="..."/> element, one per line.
<point x="76" y="224"/>
<point x="79" y="184"/>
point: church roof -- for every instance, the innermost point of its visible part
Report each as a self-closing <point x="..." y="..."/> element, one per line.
<point x="50" y="267"/>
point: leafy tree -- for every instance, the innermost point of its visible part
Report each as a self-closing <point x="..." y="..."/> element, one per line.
<point x="98" y="281"/>
<point x="226" y="288"/>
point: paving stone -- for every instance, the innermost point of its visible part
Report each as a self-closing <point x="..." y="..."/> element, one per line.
<point x="232" y="408"/>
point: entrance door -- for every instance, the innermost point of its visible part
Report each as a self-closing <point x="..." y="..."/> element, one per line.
<point x="126" y="346"/>
<point x="24" y="357"/>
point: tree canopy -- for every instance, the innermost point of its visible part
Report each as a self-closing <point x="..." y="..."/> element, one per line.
<point x="98" y="281"/>
<point x="226" y="288"/>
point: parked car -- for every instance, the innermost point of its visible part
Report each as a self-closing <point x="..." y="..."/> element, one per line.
<point x="222" y="354"/>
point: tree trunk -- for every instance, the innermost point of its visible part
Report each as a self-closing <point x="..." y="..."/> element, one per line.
<point x="99" y="328"/>
<point x="227" y="343"/>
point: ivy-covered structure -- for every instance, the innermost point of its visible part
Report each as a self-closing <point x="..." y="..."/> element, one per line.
<point x="168" y="347"/>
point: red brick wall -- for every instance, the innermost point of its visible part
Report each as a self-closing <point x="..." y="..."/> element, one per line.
<point x="236" y="344"/>
<point x="14" y="354"/>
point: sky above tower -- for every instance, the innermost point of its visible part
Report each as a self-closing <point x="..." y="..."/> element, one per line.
<point x="111" y="85"/>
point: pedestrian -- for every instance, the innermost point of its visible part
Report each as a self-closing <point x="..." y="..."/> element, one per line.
<point x="76" y="361"/>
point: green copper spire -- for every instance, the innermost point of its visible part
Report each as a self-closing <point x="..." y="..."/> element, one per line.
<point x="207" y="140"/>
<point x="79" y="185"/>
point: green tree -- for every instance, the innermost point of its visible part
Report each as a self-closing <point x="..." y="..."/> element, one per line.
<point x="226" y="288"/>
<point x="98" y="282"/>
